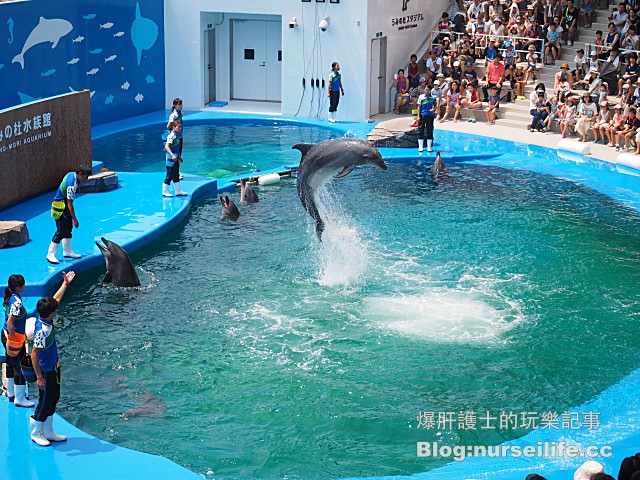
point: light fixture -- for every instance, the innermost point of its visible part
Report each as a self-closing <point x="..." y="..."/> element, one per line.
<point x="293" y="23"/>
<point x="324" y="24"/>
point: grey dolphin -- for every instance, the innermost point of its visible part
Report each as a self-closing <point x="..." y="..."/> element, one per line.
<point x="247" y="193"/>
<point x="229" y="209"/>
<point x="47" y="31"/>
<point x="438" y="165"/>
<point x="322" y="160"/>
<point x="148" y="405"/>
<point x="120" y="270"/>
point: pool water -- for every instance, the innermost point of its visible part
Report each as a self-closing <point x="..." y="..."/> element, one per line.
<point x="222" y="150"/>
<point x="254" y="351"/>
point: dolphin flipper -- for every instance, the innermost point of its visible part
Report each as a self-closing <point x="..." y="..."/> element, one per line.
<point x="346" y="171"/>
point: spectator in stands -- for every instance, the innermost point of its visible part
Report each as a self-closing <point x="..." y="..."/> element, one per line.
<point x="568" y="116"/>
<point x="479" y="41"/>
<point x="634" y="20"/>
<point x="586" y="10"/>
<point x="415" y="92"/>
<point x="612" y="40"/>
<point x="434" y="64"/>
<point x="466" y="52"/>
<point x="562" y="80"/>
<point x="401" y="84"/>
<point x="532" y="65"/>
<point x="475" y="10"/>
<point x="453" y="98"/>
<point x="495" y="9"/>
<point x="570" y="24"/>
<point x="629" y="465"/>
<point x="628" y="130"/>
<point x="630" y="73"/>
<point x="536" y="33"/>
<point x="495" y="76"/>
<point x="598" y="44"/>
<point x="602" y="92"/>
<point x="629" y="42"/>
<point x="593" y="63"/>
<point x="617" y="121"/>
<point x="471" y="99"/>
<point x="580" y="62"/>
<point x="493" y="106"/>
<point x="538" y="108"/>
<point x="587" y="469"/>
<point x="469" y="74"/>
<point x="413" y="72"/>
<point x="614" y="58"/>
<point x="556" y="110"/>
<point x="619" y="17"/>
<point x="602" y="123"/>
<point x="586" y="116"/>
<point x="625" y="98"/>
<point x="456" y="72"/>
<point x="445" y="28"/>
<point x="553" y="45"/>
<point x="490" y="52"/>
<point x="518" y="82"/>
<point x="557" y="20"/>
<point x="510" y="55"/>
<point x="590" y="83"/>
<point x="436" y="93"/>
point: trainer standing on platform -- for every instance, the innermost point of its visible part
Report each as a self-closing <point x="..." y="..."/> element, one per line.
<point x="64" y="213"/>
<point x="335" y="88"/>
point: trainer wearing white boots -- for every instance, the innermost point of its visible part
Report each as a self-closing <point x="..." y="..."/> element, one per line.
<point x="46" y="364"/>
<point x="64" y="213"/>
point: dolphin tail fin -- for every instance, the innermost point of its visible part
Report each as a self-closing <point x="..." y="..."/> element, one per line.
<point x="346" y="171"/>
<point x="319" y="227"/>
<point x="18" y="59"/>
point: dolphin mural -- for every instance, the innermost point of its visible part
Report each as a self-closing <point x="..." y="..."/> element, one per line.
<point x="321" y="160"/>
<point x="120" y="270"/>
<point x="47" y="31"/>
<point x="144" y="33"/>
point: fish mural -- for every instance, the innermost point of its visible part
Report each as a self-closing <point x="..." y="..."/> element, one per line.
<point x="109" y="100"/>
<point x="106" y="26"/>
<point x="24" y="98"/>
<point x="139" y="97"/>
<point x="78" y="39"/>
<point x="91" y="93"/>
<point x="118" y="34"/>
<point x="90" y="16"/>
<point x="73" y="61"/>
<point x="1" y="66"/>
<point x="144" y="33"/>
<point x="10" y="25"/>
<point x="47" y="31"/>
<point x="93" y="71"/>
<point x="95" y="51"/>
<point x="48" y="73"/>
<point x="149" y="79"/>
<point x="125" y="86"/>
<point x="110" y="58"/>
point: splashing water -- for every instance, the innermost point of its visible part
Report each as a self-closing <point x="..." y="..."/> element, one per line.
<point x="343" y="256"/>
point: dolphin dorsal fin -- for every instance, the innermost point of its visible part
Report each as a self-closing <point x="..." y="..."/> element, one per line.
<point x="304" y="147"/>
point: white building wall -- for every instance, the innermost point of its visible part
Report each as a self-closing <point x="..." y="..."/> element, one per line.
<point x="307" y="52"/>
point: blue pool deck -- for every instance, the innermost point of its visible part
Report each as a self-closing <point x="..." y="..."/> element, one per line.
<point x="136" y="214"/>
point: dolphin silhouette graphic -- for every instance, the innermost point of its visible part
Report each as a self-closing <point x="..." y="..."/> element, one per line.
<point x="47" y="30"/>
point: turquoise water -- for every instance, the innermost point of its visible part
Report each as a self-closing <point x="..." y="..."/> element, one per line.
<point x="253" y="351"/>
<point x="210" y="150"/>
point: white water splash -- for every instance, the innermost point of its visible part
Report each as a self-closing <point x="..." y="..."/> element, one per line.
<point x="343" y="257"/>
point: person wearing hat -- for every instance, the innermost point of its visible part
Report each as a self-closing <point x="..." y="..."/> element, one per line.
<point x="592" y="62"/>
<point x="469" y="74"/>
<point x="466" y="50"/>
<point x="490" y="52"/>
<point x="570" y="24"/>
<point x="602" y="123"/>
<point x="532" y="64"/>
<point x="436" y="92"/>
<point x="580" y="62"/>
<point x="510" y="55"/>
<point x="615" y="124"/>
<point x="496" y="30"/>
<point x="568" y="116"/>
<point x="538" y="108"/>
<point x="586" y="117"/>
<point x="456" y="72"/>
<point x="553" y="45"/>
<point x="628" y="130"/>
<point x="630" y="73"/>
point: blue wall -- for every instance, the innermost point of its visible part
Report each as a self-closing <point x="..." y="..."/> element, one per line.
<point x="115" y="48"/>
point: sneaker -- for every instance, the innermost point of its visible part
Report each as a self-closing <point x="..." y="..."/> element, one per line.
<point x="617" y="148"/>
<point x="595" y="140"/>
<point x="470" y="120"/>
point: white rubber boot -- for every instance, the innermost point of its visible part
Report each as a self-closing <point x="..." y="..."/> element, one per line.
<point x="67" y="251"/>
<point x="51" y="254"/>
<point x="420" y="145"/>
<point x="36" y="433"/>
<point x="178" y="189"/>
<point x="10" y="390"/>
<point x="21" y="398"/>
<point x="429" y="143"/>
<point x="332" y="117"/>
<point x="165" y="190"/>
<point x="49" y="434"/>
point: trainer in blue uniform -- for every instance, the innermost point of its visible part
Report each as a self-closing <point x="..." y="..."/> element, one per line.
<point x="64" y="213"/>
<point x="173" y="161"/>
<point x="46" y="365"/>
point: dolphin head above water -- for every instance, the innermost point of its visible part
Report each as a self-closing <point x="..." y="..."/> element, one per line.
<point x="322" y="160"/>
<point x="229" y="209"/>
<point x="120" y="270"/>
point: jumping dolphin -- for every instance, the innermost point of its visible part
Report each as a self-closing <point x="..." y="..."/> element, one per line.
<point x="438" y="165"/>
<point x="120" y="270"/>
<point x="321" y="160"/>
<point x="47" y="30"/>
<point x="229" y="209"/>
<point x="247" y="193"/>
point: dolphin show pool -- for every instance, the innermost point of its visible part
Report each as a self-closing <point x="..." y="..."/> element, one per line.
<point x="252" y="350"/>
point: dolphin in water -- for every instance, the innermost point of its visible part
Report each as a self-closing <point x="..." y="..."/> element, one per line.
<point x="247" y="193"/>
<point x="148" y="405"/>
<point x="47" y="30"/>
<point x="438" y="165"/>
<point x="120" y="270"/>
<point x="322" y="160"/>
<point x="229" y="209"/>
